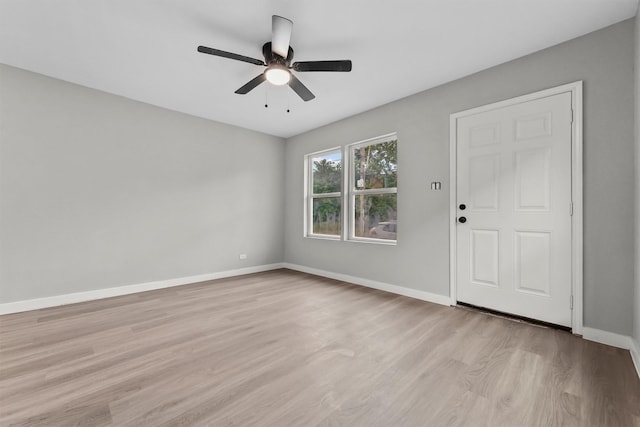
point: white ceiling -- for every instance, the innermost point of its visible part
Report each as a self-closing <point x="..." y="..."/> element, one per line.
<point x="146" y="49"/>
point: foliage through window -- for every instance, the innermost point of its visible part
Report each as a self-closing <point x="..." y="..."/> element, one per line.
<point x="373" y="188"/>
<point x="325" y="193"/>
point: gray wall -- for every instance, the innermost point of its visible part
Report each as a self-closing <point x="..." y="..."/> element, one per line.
<point x="636" y="328"/>
<point x="99" y="191"/>
<point x="604" y="60"/>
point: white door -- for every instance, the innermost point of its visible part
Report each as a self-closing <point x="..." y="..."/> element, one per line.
<point x="514" y="230"/>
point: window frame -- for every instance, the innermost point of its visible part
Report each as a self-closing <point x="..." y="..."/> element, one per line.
<point x="309" y="195"/>
<point x="351" y="191"/>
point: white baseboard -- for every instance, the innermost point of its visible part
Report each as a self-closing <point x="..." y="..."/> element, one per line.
<point x="608" y="338"/>
<point x="408" y="292"/>
<point x="615" y="340"/>
<point x="54" y="301"/>
<point x="635" y="354"/>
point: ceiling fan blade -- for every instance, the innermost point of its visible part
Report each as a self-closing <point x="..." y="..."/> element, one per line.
<point x="280" y="35"/>
<point x="251" y="85"/>
<point x="343" y="66"/>
<point x="300" y="89"/>
<point x="222" y="53"/>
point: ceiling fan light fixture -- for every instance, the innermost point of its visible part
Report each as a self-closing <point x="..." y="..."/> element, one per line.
<point x="277" y="75"/>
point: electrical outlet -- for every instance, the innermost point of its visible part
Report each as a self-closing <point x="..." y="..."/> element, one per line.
<point x="242" y="256"/>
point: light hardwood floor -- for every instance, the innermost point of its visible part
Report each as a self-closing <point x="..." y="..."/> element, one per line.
<point x="283" y="348"/>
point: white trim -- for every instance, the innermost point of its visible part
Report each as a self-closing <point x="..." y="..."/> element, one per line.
<point x="453" y="209"/>
<point x="351" y="191"/>
<point x="576" y="190"/>
<point x="616" y="340"/>
<point x="309" y="196"/>
<point x="346" y="218"/>
<point x="394" y="289"/>
<point x="576" y="194"/>
<point x="306" y="196"/>
<point x="369" y="141"/>
<point x="606" y="337"/>
<point x="54" y="301"/>
<point x="635" y="354"/>
<point x="569" y="87"/>
<point x="387" y="242"/>
<point x="325" y="150"/>
<point x="323" y="237"/>
<point x="390" y="190"/>
<point x="326" y="195"/>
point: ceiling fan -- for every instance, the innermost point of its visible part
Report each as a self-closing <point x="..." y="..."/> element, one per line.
<point x="277" y="58"/>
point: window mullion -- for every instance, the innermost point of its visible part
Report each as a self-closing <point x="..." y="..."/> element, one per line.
<point x="390" y="190"/>
<point x="326" y="195"/>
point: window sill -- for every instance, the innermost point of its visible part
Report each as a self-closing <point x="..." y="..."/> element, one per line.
<point x="373" y="241"/>
<point x="322" y="237"/>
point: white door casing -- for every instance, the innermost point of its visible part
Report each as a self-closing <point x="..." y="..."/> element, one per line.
<point x="512" y="166"/>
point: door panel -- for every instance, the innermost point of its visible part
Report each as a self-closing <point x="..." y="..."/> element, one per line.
<point x="532" y="169"/>
<point x="484" y="135"/>
<point x="484" y="257"/>
<point x="532" y="262"/>
<point x="533" y="126"/>
<point x="514" y="176"/>
<point x="484" y="172"/>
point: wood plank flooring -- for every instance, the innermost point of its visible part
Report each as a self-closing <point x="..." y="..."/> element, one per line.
<point x="283" y="348"/>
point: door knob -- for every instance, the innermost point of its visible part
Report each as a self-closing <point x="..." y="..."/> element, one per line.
<point x="462" y="220"/>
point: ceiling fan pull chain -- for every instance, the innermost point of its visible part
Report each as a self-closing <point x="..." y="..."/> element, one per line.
<point x="288" y="103"/>
<point x="266" y="97"/>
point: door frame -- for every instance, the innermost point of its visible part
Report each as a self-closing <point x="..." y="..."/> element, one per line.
<point x="575" y="89"/>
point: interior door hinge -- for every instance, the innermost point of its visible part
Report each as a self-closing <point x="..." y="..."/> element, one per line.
<point x="571" y="302"/>
<point x="571" y="209"/>
<point x="572" y="115"/>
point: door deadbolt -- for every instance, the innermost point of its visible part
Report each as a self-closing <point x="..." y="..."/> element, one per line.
<point x="462" y="206"/>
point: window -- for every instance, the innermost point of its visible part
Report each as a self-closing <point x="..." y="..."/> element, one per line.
<point x="370" y="194"/>
<point x="324" y="201"/>
<point x="373" y="188"/>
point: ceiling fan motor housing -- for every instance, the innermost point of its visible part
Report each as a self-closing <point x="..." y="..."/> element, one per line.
<point x="271" y="57"/>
